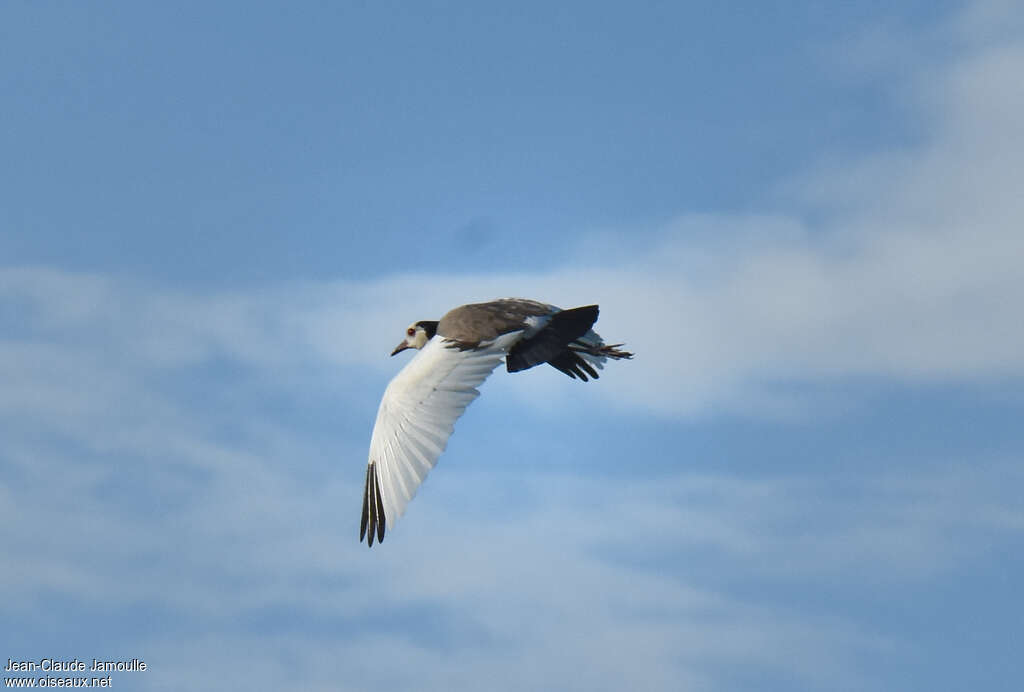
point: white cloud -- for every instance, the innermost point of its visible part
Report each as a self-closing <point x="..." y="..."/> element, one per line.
<point x="135" y="497"/>
<point x="595" y="582"/>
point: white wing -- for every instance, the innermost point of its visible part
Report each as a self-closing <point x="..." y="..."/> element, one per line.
<point x="416" y="417"/>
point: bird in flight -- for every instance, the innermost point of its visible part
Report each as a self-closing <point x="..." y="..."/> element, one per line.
<point x="456" y="354"/>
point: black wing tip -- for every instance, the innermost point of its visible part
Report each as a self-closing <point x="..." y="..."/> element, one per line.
<point x="573" y="365"/>
<point x="373" y="509"/>
<point x="381" y="519"/>
<point x="365" y="521"/>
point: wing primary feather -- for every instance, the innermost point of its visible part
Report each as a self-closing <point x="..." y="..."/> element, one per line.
<point x="371" y="492"/>
<point x="366" y="505"/>
<point x="573" y="365"/>
<point x="381" y="517"/>
<point x="415" y="452"/>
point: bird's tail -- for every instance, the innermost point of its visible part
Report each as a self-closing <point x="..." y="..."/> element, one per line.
<point x="600" y="350"/>
<point x="586" y="355"/>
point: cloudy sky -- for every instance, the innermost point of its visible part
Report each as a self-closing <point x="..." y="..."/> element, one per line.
<point x="215" y="223"/>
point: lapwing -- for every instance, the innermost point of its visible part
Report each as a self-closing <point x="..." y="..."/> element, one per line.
<point x="456" y="354"/>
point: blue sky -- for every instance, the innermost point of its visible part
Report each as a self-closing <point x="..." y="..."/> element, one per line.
<point x="215" y="223"/>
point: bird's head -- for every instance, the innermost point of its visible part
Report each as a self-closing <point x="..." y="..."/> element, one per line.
<point x="417" y="335"/>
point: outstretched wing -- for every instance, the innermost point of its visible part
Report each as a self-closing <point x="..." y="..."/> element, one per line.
<point x="416" y="417"/>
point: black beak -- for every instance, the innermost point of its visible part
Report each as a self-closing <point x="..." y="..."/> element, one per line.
<point x="401" y="347"/>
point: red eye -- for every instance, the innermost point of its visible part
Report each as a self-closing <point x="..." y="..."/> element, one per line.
<point x="410" y="331"/>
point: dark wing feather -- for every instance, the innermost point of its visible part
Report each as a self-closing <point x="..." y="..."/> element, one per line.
<point x="373" y="509"/>
<point x="573" y="365"/>
<point x="551" y="341"/>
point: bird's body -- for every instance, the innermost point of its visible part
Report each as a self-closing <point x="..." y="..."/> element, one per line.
<point x="486" y="321"/>
<point x="421" y="404"/>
